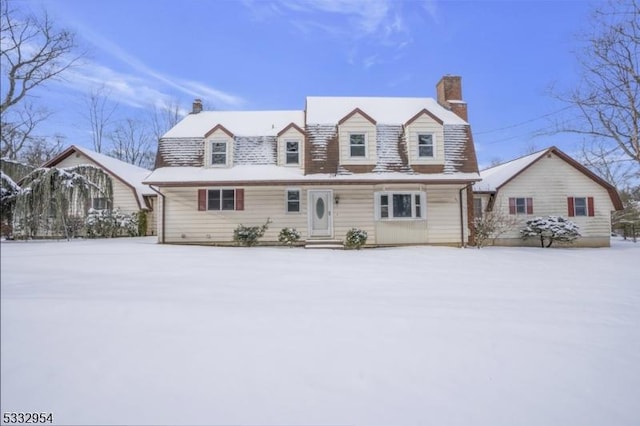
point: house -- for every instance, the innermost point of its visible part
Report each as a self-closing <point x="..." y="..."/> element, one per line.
<point x="130" y="195"/>
<point x="548" y="182"/>
<point x="399" y="168"/>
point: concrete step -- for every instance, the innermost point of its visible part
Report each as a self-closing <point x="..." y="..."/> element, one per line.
<point x="324" y="244"/>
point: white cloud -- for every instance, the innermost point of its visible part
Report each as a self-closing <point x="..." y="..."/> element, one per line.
<point x="143" y="86"/>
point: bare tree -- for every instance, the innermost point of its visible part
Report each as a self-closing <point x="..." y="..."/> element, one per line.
<point x="34" y="51"/>
<point x="18" y="133"/>
<point x="607" y="99"/>
<point x="132" y="142"/>
<point x="41" y="150"/>
<point x="165" y="117"/>
<point x="99" y="114"/>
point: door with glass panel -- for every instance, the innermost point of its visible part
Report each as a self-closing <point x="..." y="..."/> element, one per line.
<point x="320" y="213"/>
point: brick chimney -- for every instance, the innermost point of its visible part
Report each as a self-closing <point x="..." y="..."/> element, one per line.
<point x="197" y="106"/>
<point x="449" y="90"/>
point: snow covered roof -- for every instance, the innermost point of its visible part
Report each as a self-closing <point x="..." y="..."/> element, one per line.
<point x="128" y="173"/>
<point x="270" y="173"/>
<point x="494" y="177"/>
<point x="385" y="110"/>
<point x="240" y="123"/>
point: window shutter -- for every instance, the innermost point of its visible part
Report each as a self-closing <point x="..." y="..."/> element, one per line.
<point x="202" y="199"/>
<point x="377" y="205"/>
<point x="590" y="206"/>
<point x="529" y="205"/>
<point x="512" y="206"/>
<point x="572" y="210"/>
<point x="240" y="199"/>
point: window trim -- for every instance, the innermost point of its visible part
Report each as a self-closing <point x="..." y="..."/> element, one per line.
<point x="286" y="152"/>
<point x="286" y="200"/>
<point x="415" y="196"/>
<point x="220" y="190"/>
<point x="528" y="206"/>
<point x="365" y="143"/>
<point x="226" y="152"/>
<point x="433" y="146"/>
<point x="107" y="203"/>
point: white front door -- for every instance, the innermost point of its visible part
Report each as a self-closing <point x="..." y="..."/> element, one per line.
<point x="320" y="213"/>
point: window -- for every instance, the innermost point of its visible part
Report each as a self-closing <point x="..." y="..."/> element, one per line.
<point x="218" y="153"/>
<point x="221" y="199"/>
<point x="425" y="146"/>
<point x="400" y="205"/>
<point x="100" y="203"/>
<point x="477" y="208"/>
<point x="520" y="205"/>
<point x="292" y="152"/>
<point x="293" y="200"/>
<point x="357" y="145"/>
<point x="581" y="206"/>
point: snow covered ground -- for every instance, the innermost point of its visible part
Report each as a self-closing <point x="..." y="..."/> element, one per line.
<point x="126" y="331"/>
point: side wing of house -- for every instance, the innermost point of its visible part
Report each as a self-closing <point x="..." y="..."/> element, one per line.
<point x="124" y="197"/>
<point x="553" y="186"/>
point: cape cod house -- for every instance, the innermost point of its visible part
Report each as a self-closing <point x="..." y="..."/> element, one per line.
<point x="548" y="183"/>
<point x="399" y="168"/>
<point x="130" y="195"/>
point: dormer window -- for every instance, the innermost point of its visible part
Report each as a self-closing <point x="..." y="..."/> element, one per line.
<point x="292" y="152"/>
<point x="425" y="145"/>
<point x="218" y="153"/>
<point x="358" y="145"/>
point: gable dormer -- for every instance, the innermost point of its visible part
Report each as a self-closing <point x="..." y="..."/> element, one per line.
<point x="357" y="139"/>
<point x="218" y="147"/>
<point x="424" y="135"/>
<point x="290" y="147"/>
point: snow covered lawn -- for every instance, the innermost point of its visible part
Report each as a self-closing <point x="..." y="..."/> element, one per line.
<point x="130" y="332"/>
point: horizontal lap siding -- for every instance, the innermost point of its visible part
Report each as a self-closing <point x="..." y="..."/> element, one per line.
<point x="355" y="209"/>
<point x="123" y="196"/>
<point x="185" y="223"/>
<point x="549" y="182"/>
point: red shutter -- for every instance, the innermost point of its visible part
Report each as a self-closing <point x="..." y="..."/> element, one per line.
<point x="529" y="205"/>
<point x="240" y="199"/>
<point x="590" y="206"/>
<point x="572" y="210"/>
<point x="512" y="206"/>
<point x="202" y="199"/>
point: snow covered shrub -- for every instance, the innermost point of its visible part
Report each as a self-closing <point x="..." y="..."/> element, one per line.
<point x="108" y="223"/>
<point x="550" y="228"/>
<point x="289" y="236"/>
<point x="490" y="226"/>
<point x="356" y="238"/>
<point x="249" y="235"/>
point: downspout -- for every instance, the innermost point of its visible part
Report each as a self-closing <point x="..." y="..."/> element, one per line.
<point x="163" y="207"/>
<point x="464" y="188"/>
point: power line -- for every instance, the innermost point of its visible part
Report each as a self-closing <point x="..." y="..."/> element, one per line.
<point x="523" y="122"/>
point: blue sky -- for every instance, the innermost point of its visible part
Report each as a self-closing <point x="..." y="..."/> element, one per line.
<point x="260" y="54"/>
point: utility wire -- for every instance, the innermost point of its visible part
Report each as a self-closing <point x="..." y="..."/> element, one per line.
<point x="523" y="122"/>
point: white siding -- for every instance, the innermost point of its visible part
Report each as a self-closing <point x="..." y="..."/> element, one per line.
<point x="291" y="134"/>
<point x="357" y="124"/>
<point x="356" y="208"/>
<point x="124" y="196"/>
<point x="425" y="124"/>
<point x="549" y="182"/>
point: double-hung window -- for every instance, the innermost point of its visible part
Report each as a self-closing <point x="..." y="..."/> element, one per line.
<point x="292" y="152"/>
<point x="100" y="203"/>
<point x="520" y="205"/>
<point x="400" y="205"/>
<point x="218" y="153"/>
<point x="581" y="206"/>
<point x="357" y="145"/>
<point x="293" y="200"/>
<point x="425" y="145"/>
<point x="221" y="199"/>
